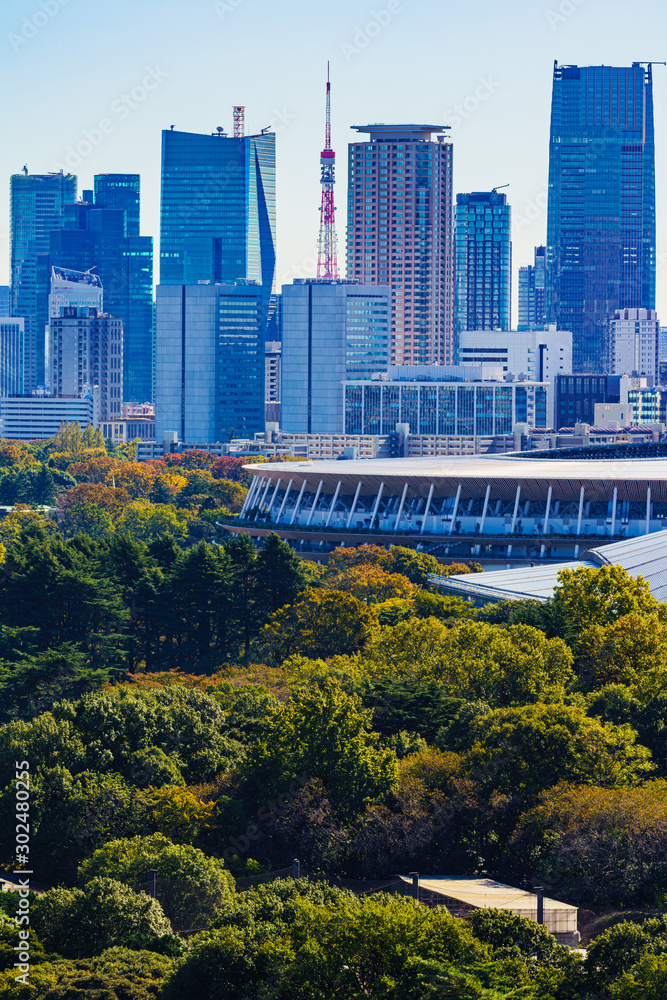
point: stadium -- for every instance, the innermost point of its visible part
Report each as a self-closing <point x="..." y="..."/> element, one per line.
<point x="517" y="507"/>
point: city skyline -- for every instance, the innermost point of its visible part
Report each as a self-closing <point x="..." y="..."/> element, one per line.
<point x="480" y="91"/>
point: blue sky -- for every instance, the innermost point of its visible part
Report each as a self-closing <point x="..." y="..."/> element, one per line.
<point x="484" y="67"/>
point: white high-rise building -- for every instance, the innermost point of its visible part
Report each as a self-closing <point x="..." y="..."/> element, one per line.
<point x="634" y="343"/>
<point x="538" y="355"/>
<point x="333" y="331"/>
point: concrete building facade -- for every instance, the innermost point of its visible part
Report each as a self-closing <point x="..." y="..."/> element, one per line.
<point x="400" y="233"/>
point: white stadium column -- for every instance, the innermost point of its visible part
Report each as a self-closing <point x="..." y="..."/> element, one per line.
<point x="317" y="497"/>
<point x="354" y="505"/>
<point x="581" y="510"/>
<point x="456" y="509"/>
<point x="282" y="506"/>
<point x="273" y="498"/>
<point x="548" y="511"/>
<point x="376" y="505"/>
<point x="259" y="505"/>
<point x="401" y="506"/>
<point x="298" y="503"/>
<point x="614" y="505"/>
<point x="248" y="498"/>
<point x="333" y="505"/>
<point x="486" y="507"/>
<point x="426" y="509"/>
<point x="516" y="509"/>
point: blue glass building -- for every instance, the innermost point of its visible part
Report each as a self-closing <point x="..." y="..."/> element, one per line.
<point x="209" y="370"/>
<point x="532" y="293"/>
<point x="601" y="215"/>
<point x="218" y="209"/>
<point x="96" y="235"/>
<point x="37" y="205"/>
<point x="121" y="191"/>
<point x="483" y="261"/>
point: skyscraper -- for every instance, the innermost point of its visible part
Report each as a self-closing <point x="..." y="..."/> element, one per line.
<point x="483" y="261"/>
<point x="209" y="368"/>
<point x="37" y="204"/>
<point x="333" y="331"/>
<point x="5" y="300"/>
<point x="218" y="209"/>
<point x="532" y="293"/>
<point x="399" y="232"/>
<point x="95" y="235"/>
<point x="601" y="215"/>
<point x="121" y="191"/>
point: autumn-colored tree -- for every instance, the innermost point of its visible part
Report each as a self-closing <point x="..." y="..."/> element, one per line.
<point x="370" y="582"/>
<point x="601" y="846"/>
<point x="321" y="623"/>
<point x="105" y="497"/>
<point x="135" y="477"/>
<point x="179" y="814"/>
<point x="364" y="555"/>
<point x="227" y="467"/>
<point x="12" y="456"/>
<point x="94" y="470"/>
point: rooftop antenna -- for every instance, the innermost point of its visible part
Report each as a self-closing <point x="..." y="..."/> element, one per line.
<point x="239" y="121"/>
<point x="327" y="257"/>
<point x="25" y="169"/>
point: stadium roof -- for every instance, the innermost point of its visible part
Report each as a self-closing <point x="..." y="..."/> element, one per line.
<point x="645" y="556"/>
<point x="631" y="477"/>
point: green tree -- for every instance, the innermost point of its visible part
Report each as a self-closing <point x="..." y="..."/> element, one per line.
<point x="586" y="597"/>
<point x="322" y="733"/>
<point x="522" y="751"/>
<point x="280" y="575"/>
<point x="646" y="981"/>
<point x="104" y="914"/>
<point x="320" y="623"/>
<point x="192" y="887"/>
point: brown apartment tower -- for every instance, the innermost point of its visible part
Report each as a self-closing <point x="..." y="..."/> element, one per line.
<point x="400" y="233"/>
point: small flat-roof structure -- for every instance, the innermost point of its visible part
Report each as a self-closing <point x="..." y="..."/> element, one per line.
<point x="463" y="895"/>
<point x="645" y="556"/>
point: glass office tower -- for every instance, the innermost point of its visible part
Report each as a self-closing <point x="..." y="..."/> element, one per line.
<point x="533" y="294"/>
<point x="483" y="261"/>
<point x="209" y="372"/>
<point x="218" y="210"/>
<point x="120" y="191"/>
<point x="95" y="236"/>
<point x="37" y="205"/>
<point x="601" y="217"/>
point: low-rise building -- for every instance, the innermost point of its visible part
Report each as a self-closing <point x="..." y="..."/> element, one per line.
<point x="28" y="418"/>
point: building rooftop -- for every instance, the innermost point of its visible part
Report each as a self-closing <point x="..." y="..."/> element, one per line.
<point x="382" y="131"/>
<point x="486" y="893"/>
<point x="645" y="556"/>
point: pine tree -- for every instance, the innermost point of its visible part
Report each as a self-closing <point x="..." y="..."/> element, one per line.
<point x="280" y="575"/>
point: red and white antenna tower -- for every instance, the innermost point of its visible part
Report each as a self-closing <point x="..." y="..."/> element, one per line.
<point x="327" y="257"/>
<point x="239" y="122"/>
